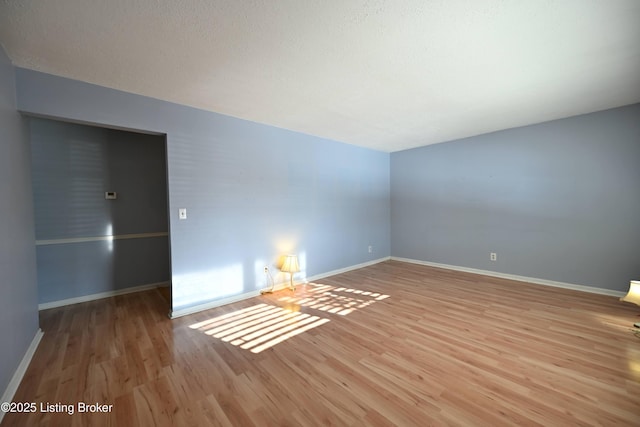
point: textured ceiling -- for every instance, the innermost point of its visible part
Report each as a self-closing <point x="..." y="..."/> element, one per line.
<point x="388" y="75"/>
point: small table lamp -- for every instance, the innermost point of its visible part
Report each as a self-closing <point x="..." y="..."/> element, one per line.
<point x="290" y="265"/>
<point x="633" y="296"/>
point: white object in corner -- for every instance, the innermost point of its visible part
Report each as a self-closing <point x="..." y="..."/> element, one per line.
<point x="8" y="394"/>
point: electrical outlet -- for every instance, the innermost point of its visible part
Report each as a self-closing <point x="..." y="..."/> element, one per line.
<point x="266" y="269"/>
<point x="370" y="249"/>
<point x="493" y="256"/>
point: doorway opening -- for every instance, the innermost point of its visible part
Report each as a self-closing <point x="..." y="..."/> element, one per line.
<point x="101" y="212"/>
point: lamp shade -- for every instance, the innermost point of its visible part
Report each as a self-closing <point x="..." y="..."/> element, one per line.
<point x="634" y="293"/>
<point x="290" y="264"/>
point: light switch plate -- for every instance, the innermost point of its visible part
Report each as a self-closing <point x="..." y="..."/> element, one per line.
<point x="182" y="213"/>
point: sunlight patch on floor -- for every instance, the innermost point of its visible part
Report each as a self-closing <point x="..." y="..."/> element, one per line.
<point x="336" y="300"/>
<point x="259" y="327"/>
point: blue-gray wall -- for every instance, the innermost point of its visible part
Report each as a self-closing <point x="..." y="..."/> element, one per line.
<point x="252" y="192"/>
<point x="557" y="201"/>
<point x="72" y="167"/>
<point x="18" y="289"/>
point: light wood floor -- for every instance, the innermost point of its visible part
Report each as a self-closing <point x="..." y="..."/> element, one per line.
<point x="391" y="344"/>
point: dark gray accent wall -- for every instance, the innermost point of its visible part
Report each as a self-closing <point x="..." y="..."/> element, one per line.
<point x="252" y="192"/>
<point x="72" y="167"/>
<point x="557" y="201"/>
<point x="18" y="289"/>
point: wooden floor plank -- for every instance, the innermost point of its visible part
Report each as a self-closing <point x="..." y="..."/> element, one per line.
<point x="390" y="344"/>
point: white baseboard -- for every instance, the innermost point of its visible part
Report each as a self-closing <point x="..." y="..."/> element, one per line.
<point x="174" y="314"/>
<point x="346" y="269"/>
<point x="583" y="288"/>
<point x="8" y="394"/>
<point x="101" y="295"/>
<point x="278" y="286"/>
